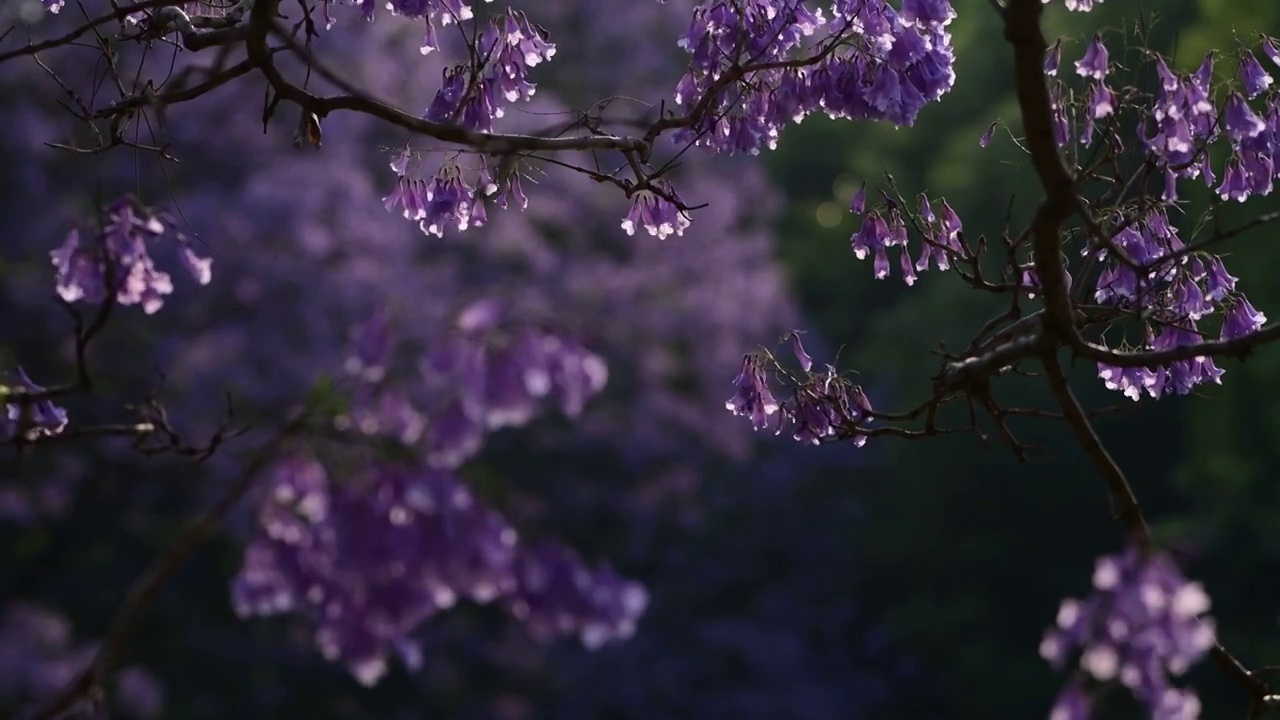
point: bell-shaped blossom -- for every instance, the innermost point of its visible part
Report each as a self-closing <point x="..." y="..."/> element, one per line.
<point x="448" y="202"/>
<point x="26" y="418"/>
<point x="1271" y="50"/>
<point x="1240" y="121"/>
<point x="656" y="214"/>
<point x="823" y="406"/>
<point x="1053" y="58"/>
<point x="1094" y="63"/>
<point x="806" y="362"/>
<point x="858" y="203"/>
<point x="987" y="135"/>
<point x="117" y="259"/>
<point x="1255" y="79"/>
<point x="753" y="398"/>
<point x="1241" y="320"/>
<point x="473" y="96"/>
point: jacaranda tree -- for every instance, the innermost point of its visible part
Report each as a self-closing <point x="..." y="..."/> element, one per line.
<point x="365" y="524"/>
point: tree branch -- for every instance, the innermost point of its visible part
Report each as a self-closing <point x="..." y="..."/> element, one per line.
<point x="1022" y="30"/>
<point x="145" y="589"/>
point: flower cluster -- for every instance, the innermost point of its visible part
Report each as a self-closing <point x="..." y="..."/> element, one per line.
<point x="886" y="227"/>
<point x="436" y="14"/>
<point x="447" y="199"/>
<point x="1101" y="99"/>
<point x="26" y="419"/>
<point x="1078" y="5"/>
<point x="1148" y="268"/>
<point x="1143" y="622"/>
<point x="1183" y="121"/>
<point x="658" y="215"/>
<point x="498" y="379"/>
<point x="487" y="374"/>
<point x="472" y="94"/>
<point x="756" y="66"/>
<point x="117" y="261"/>
<point x="370" y="557"/>
<point x="823" y="406"/>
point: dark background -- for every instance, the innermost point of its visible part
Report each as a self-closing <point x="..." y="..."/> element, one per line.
<point x="897" y="581"/>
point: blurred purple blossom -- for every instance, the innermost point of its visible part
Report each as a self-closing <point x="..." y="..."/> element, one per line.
<point x="1143" y="622"/>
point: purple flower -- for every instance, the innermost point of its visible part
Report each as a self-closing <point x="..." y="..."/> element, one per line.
<point x="1235" y="183"/>
<point x="1142" y="623"/>
<point x="1102" y="101"/>
<point x="1053" y="58"/>
<point x="411" y="195"/>
<point x="448" y="202"/>
<point x="753" y="398"/>
<point x="985" y="140"/>
<point x="481" y="315"/>
<point x="1170" y="194"/>
<point x="556" y="594"/>
<point x="447" y="102"/>
<point x="575" y="373"/>
<point x="370" y="557"/>
<point x="1240" y="121"/>
<point x="1241" y="320"/>
<point x="30" y="420"/>
<point x="1061" y="123"/>
<point x="888" y="70"/>
<point x="657" y="215"/>
<point x="118" y="258"/>
<point x="1218" y="281"/>
<point x="201" y="269"/>
<point x="928" y="13"/>
<point x="1270" y="49"/>
<point x="1255" y="79"/>
<point x="370" y="349"/>
<point x="806" y="362"/>
<point x="453" y="435"/>
<point x="858" y="204"/>
<point x="1094" y="63"/>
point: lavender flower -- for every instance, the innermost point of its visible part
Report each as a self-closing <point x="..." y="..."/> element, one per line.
<point x="1142" y="623"/>
<point x="370" y="558"/>
<point x="1053" y="58"/>
<point x="987" y="135"/>
<point x="118" y="259"/>
<point x="657" y="215"/>
<point x="30" y="420"/>
<point x="806" y="362"/>
<point x="1255" y="79"/>
<point x="1179" y="296"/>
<point x="854" y="82"/>
<point x="1094" y="63"/>
<point x="753" y="398"/>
